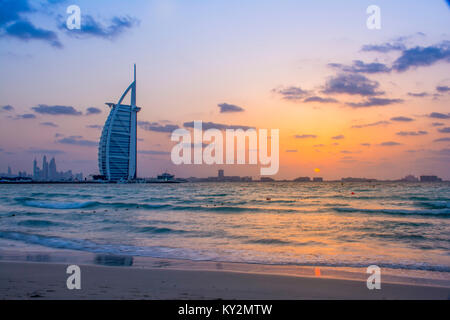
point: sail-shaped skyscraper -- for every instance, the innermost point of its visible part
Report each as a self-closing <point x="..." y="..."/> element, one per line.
<point x="117" y="148"/>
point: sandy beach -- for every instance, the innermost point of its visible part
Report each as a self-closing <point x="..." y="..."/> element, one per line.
<point x="25" y="280"/>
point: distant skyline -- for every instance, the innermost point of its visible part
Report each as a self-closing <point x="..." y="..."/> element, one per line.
<point x="348" y="101"/>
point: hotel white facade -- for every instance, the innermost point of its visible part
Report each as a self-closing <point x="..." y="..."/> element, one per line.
<point x="117" y="147"/>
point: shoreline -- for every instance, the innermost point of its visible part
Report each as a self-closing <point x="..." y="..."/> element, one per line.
<point x="38" y="280"/>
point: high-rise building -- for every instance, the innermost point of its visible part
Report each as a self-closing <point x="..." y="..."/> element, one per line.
<point x="44" y="168"/>
<point x="35" y="170"/>
<point x="52" y="174"/>
<point x="117" y="147"/>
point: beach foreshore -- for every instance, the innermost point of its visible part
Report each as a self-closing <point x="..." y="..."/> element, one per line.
<point x="37" y="280"/>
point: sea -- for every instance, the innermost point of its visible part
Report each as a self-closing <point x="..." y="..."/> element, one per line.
<point x="401" y="227"/>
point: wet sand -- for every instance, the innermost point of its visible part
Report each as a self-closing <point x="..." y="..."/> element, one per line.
<point x="25" y="280"/>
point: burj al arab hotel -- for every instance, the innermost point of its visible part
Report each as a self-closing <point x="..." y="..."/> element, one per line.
<point x="117" y="147"/>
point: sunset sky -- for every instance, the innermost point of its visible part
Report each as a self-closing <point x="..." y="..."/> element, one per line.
<point x="347" y="100"/>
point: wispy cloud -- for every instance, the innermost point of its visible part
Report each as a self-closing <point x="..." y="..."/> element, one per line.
<point x="320" y="99"/>
<point x="92" y="28"/>
<point x="443" y="89"/>
<point x="411" y="133"/>
<point x="402" y="119"/>
<point x="228" y="108"/>
<point x="438" y="115"/>
<point x="444" y="130"/>
<point x="7" y="108"/>
<point x="156" y="127"/>
<point x="94" y="126"/>
<point x="422" y="56"/>
<point x="93" y="110"/>
<point x="56" y="110"/>
<point x="390" y="144"/>
<point x="15" y="24"/>
<point x="339" y="137"/>
<point x="384" y="47"/>
<point x="353" y="84"/>
<point x="418" y="94"/>
<point x="446" y="139"/>
<point x="25" y="116"/>
<point x="305" y="136"/>
<point x="291" y="93"/>
<point x="78" y="141"/>
<point x="374" y="102"/>
<point x="373" y="124"/>
<point x="49" y="124"/>
<point x="359" y="66"/>
<point x="219" y="126"/>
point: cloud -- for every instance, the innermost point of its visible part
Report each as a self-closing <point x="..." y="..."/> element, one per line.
<point x="319" y="145"/>
<point x="7" y="108"/>
<point x="374" y="102"/>
<point x="385" y="47"/>
<point x="411" y="133"/>
<point x="78" y="141"/>
<point x="402" y="119"/>
<point x="292" y="93"/>
<point x="366" y="144"/>
<point x="291" y="150"/>
<point x="56" y="110"/>
<point x="153" y="152"/>
<point x="437" y="115"/>
<point x="92" y="110"/>
<point x="13" y="24"/>
<point x="339" y="137"/>
<point x="437" y="124"/>
<point x="25" y="30"/>
<point x="156" y="127"/>
<point x="226" y="108"/>
<point x="444" y="130"/>
<point x="422" y="56"/>
<point x="359" y="66"/>
<point x="418" y="94"/>
<point x="373" y="124"/>
<point x="446" y="139"/>
<point x="49" y="124"/>
<point x="219" y="126"/>
<point x="94" y="126"/>
<point x="25" y="116"/>
<point x="305" y="136"/>
<point x="443" y="89"/>
<point x="390" y="144"/>
<point x="45" y="151"/>
<point x="353" y="84"/>
<point x="320" y="99"/>
<point x="92" y="28"/>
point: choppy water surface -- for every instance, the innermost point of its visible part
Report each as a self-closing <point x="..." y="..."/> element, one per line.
<point x="393" y="225"/>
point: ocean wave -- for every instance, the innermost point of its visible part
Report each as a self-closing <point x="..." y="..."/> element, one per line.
<point x="433" y="212"/>
<point x="39" y="223"/>
<point x="205" y="255"/>
<point x="59" y="205"/>
<point x="152" y="229"/>
<point x="268" y="241"/>
<point x="435" y="204"/>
